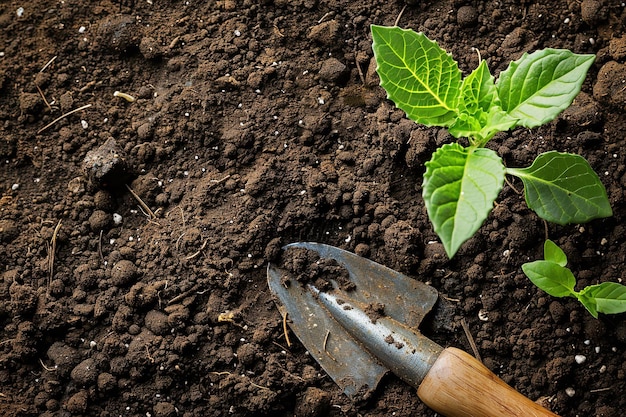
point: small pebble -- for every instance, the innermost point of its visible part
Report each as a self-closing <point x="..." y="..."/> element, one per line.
<point x="77" y="404"/>
<point x="580" y="359"/>
<point x="107" y="165"/>
<point x="590" y="11"/>
<point x="123" y="272"/>
<point x="85" y="373"/>
<point x="570" y="391"/>
<point x="333" y="70"/>
<point x="467" y="16"/>
<point x="99" y="220"/>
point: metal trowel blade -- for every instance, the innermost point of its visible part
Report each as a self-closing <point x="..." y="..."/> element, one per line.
<point x="406" y="300"/>
<point x="340" y="355"/>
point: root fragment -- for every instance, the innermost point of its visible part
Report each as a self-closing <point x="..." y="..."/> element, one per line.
<point x="286" y="331"/>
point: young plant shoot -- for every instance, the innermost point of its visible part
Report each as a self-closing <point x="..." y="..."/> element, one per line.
<point x="461" y="183"/>
<point x="553" y="277"/>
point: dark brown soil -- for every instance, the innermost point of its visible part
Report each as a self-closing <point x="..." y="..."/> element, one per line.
<point x="308" y="268"/>
<point x="257" y="124"/>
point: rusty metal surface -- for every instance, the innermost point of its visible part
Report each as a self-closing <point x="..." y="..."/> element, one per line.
<point x="406" y="302"/>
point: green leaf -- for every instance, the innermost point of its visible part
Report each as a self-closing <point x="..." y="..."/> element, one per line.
<point x="478" y="91"/>
<point x="562" y="188"/>
<point x="554" y="278"/>
<point x="589" y="303"/>
<point x="419" y="77"/>
<point x="538" y="86"/>
<point x="609" y="297"/>
<point x="552" y="253"/>
<point x="551" y="277"/>
<point x="460" y="186"/>
<point x="480" y="115"/>
<point x="482" y="126"/>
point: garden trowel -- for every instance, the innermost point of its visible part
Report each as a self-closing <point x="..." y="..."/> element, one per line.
<point x="359" y="332"/>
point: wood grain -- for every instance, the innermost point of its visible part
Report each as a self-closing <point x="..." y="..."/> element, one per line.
<point x="460" y="386"/>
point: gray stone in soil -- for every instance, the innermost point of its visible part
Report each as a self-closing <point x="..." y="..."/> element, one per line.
<point x="107" y="166"/>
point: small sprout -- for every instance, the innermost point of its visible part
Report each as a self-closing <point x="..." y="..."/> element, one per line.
<point x="552" y="276"/>
<point x="125" y="96"/>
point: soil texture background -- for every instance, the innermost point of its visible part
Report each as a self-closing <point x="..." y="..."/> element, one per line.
<point x="135" y="235"/>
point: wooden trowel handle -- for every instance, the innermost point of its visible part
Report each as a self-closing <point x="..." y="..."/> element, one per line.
<point x="458" y="385"/>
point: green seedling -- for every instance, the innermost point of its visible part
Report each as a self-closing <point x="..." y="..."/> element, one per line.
<point x="461" y="183"/>
<point x="553" y="277"/>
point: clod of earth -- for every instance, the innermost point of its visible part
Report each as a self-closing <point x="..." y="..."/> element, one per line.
<point x="108" y="165"/>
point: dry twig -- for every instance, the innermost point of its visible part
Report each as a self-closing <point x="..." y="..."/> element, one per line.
<point x="48" y="63"/>
<point x="470" y="338"/>
<point x="143" y="205"/>
<point x="52" y="251"/>
<point x="43" y="97"/>
<point x="86" y="106"/>
<point x="199" y="250"/>
<point x="285" y="331"/>
<point x="399" y="16"/>
<point x="100" y="248"/>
